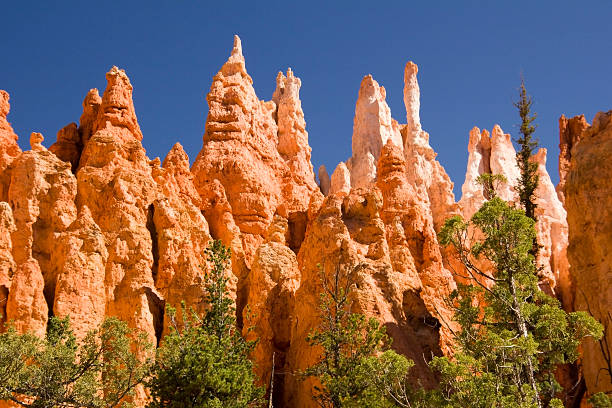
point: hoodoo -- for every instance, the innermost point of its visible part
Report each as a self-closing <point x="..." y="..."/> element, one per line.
<point x="92" y="227"/>
<point x="589" y="202"/>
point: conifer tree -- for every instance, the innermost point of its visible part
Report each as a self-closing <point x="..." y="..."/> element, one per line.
<point x="354" y="367"/>
<point x="512" y="334"/>
<point x="528" y="181"/>
<point x="205" y="363"/>
<point x="490" y="183"/>
<point x="58" y="371"/>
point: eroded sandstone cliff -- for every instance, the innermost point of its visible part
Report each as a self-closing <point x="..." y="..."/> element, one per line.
<point x="92" y="227"/>
<point x="587" y="172"/>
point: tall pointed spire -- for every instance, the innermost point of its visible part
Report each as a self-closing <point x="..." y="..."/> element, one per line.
<point x="236" y="63"/>
<point x="237" y="50"/>
<point x="9" y="149"/>
<point x="412" y="95"/>
<point x="372" y="127"/>
<point x="117" y="107"/>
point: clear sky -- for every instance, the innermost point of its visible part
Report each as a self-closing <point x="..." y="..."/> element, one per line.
<point x="470" y="57"/>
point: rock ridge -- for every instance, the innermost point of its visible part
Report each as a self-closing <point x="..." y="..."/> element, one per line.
<point x="92" y="227"/>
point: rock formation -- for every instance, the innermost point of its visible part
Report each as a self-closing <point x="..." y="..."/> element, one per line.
<point x="552" y="236"/>
<point x="7" y="264"/>
<point x="41" y="193"/>
<point x="479" y="162"/>
<point x="263" y="166"/>
<point x="372" y="127"/>
<point x="496" y="155"/>
<point x="93" y="228"/>
<point x="179" y="234"/>
<point x="385" y="233"/>
<point x="79" y="289"/>
<point x="254" y="163"/>
<point x="340" y="179"/>
<point x="589" y="203"/>
<point x="115" y="182"/>
<point x="424" y="171"/>
<point x="324" y="180"/>
<point x="570" y="132"/>
<point x="9" y="149"/>
<point x="273" y="281"/>
<point x="489" y="153"/>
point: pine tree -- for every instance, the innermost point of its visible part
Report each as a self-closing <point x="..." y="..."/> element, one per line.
<point x="528" y="181"/>
<point x="512" y="334"/>
<point x="490" y="183"/>
<point x="58" y="371"/>
<point x="351" y="369"/>
<point x="206" y="362"/>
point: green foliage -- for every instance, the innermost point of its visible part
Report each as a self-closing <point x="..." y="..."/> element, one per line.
<point x="490" y="183"/>
<point x="58" y="372"/>
<point x="220" y="319"/>
<point x="350" y="371"/>
<point x="512" y="335"/>
<point x="601" y="400"/>
<point x="528" y="181"/>
<point x="389" y="372"/>
<point x="205" y="363"/>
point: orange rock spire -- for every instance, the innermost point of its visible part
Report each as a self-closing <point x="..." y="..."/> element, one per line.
<point x="93" y="228"/>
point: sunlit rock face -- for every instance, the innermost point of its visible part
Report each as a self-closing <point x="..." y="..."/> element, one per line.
<point x="397" y="269"/>
<point x="93" y="228"/>
<point x="589" y="202"/>
<point x="570" y="133"/>
<point x="274" y="279"/>
<point x="495" y="154"/>
<point x="378" y="219"/>
<point x="72" y="138"/>
<point x="340" y="179"/>
<point x="258" y="151"/>
<point x="9" y="149"/>
<point x="423" y="170"/>
<point x="7" y="263"/>
<point x="489" y="153"/>
<point x="479" y="162"/>
<point x="552" y="235"/>
<point x="115" y="183"/>
<point x="372" y="127"/>
<point x="41" y="194"/>
<point x="324" y="180"/>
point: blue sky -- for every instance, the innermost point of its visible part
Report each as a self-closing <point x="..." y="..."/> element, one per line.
<point x="470" y="57"/>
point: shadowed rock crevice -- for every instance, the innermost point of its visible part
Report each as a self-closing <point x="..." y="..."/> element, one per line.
<point x="154" y="244"/>
<point x="68" y="146"/>
<point x="157" y="307"/>
<point x="298" y="221"/>
<point x="3" y="300"/>
<point x="139" y="239"/>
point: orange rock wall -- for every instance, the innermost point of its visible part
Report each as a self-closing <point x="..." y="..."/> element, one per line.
<point x="92" y="227"/>
<point x="589" y="205"/>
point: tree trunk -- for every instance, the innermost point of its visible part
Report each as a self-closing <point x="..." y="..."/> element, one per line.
<point x="523" y="331"/>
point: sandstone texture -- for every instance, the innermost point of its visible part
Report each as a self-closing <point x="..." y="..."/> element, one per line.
<point x="9" y="149"/>
<point x="372" y="127"/>
<point x="91" y="227"/>
<point x="424" y="171"/>
<point x="570" y="132"/>
<point x="589" y="203"/>
<point x="493" y="153"/>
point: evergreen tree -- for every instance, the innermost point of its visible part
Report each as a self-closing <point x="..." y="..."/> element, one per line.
<point x="512" y="334"/>
<point x="58" y="372"/>
<point x="351" y="370"/>
<point x="490" y="183"/>
<point x="528" y="181"/>
<point x="206" y="362"/>
<point x="601" y="400"/>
